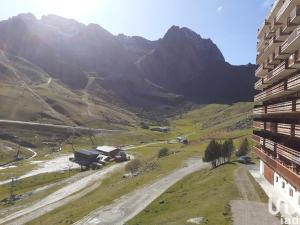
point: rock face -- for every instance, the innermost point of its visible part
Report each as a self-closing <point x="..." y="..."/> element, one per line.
<point x="141" y="73"/>
<point x="192" y="66"/>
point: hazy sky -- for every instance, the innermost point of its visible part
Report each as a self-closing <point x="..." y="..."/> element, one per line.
<point x="231" y="24"/>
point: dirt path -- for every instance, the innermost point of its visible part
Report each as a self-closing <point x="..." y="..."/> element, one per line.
<point x="249" y="210"/>
<point x="61" y="197"/>
<point x="133" y="203"/>
<point x="245" y="186"/>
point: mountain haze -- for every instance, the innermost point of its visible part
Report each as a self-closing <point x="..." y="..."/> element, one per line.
<point x="126" y="71"/>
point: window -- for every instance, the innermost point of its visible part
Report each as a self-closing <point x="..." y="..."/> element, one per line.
<point x="276" y="179"/>
<point x="283" y="185"/>
<point x="291" y="192"/>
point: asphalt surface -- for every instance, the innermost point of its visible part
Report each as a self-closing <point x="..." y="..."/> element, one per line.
<point x="133" y="203"/>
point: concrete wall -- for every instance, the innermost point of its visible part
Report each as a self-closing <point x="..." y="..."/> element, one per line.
<point x="278" y="185"/>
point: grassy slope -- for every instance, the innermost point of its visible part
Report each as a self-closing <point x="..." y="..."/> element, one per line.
<point x="26" y="94"/>
<point x="191" y="123"/>
<point x="202" y="194"/>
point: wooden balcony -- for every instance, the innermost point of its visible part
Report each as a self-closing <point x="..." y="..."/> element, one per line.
<point x="289" y="26"/>
<point x="288" y="153"/>
<point x="272" y="92"/>
<point x="281" y="71"/>
<point x="286" y="10"/>
<point x="281" y="35"/>
<point x="261" y="71"/>
<point x="263" y="28"/>
<point x="297" y="131"/>
<point x="292" y="42"/>
<point x="271" y="127"/>
<point x="279" y="55"/>
<point x="258" y="125"/>
<point x="272" y="61"/>
<point x="269" y="145"/>
<point x="293" y="83"/>
<point x="270" y="48"/>
<point x="283" y="107"/>
<point x="259" y="85"/>
<point x="294" y="60"/>
<point x="295" y="15"/>
<point x="259" y="111"/>
<point x="285" y="129"/>
<point x="280" y="168"/>
<point x="257" y="139"/>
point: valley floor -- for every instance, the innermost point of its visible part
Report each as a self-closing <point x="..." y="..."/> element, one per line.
<point x="207" y="193"/>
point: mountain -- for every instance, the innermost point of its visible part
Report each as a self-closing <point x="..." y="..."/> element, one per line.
<point x="187" y="64"/>
<point x="122" y="71"/>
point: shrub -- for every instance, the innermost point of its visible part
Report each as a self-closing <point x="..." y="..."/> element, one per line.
<point x="133" y="166"/>
<point x="163" y="152"/>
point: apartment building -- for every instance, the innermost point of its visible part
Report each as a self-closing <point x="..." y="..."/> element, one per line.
<point x="277" y="102"/>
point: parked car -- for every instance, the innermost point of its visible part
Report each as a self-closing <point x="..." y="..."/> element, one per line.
<point x="244" y="159"/>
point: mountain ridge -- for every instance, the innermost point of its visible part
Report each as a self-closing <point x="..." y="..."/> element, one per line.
<point x="139" y="72"/>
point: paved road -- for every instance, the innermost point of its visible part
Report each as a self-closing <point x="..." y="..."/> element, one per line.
<point x="60" y="197"/>
<point x="131" y="204"/>
<point x="252" y="213"/>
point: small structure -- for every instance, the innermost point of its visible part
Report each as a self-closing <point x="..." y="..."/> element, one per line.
<point x="182" y="140"/>
<point x="110" y="151"/>
<point x="86" y="158"/>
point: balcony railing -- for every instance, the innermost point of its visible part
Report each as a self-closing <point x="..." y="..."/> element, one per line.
<point x="271" y="127"/>
<point x="281" y="71"/>
<point x="279" y="167"/>
<point x="285" y="129"/>
<point x="272" y="92"/>
<point x="283" y="9"/>
<point x="280" y="35"/>
<point x="294" y="60"/>
<point x="295" y="15"/>
<point x="284" y="107"/>
<point x="256" y="138"/>
<point x="270" y="145"/>
<point x="259" y="111"/>
<point x="288" y="153"/>
<point x="259" y="84"/>
<point x="297" y="131"/>
<point x="294" y="36"/>
<point x="258" y="125"/>
<point x="261" y="70"/>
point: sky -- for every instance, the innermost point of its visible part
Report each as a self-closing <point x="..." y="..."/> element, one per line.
<point x="231" y="24"/>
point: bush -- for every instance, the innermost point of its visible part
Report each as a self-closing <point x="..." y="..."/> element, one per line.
<point x="163" y="152"/>
<point x="133" y="166"/>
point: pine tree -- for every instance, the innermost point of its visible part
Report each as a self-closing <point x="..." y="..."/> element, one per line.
<point x="244" y="148"/>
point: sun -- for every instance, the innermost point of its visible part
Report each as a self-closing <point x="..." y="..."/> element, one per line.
<point x="67" y="8"/>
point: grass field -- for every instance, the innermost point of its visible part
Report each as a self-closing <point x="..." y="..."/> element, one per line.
<point x="202" y="194"/>
<point x="194" y="125"/>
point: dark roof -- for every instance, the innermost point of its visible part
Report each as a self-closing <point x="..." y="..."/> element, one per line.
<point x="88" y="152"/>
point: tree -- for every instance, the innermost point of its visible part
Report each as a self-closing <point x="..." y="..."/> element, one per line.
<point x="212" y="153"/>
<point x="228" y="149"/>
<point x="244" y="148"/>
<point x="163" y="152"/>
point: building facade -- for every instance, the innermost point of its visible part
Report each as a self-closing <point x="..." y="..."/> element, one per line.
<point x="276" y="123"/>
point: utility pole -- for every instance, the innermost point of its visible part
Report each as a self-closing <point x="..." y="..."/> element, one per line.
<point x="12" y="188"/>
